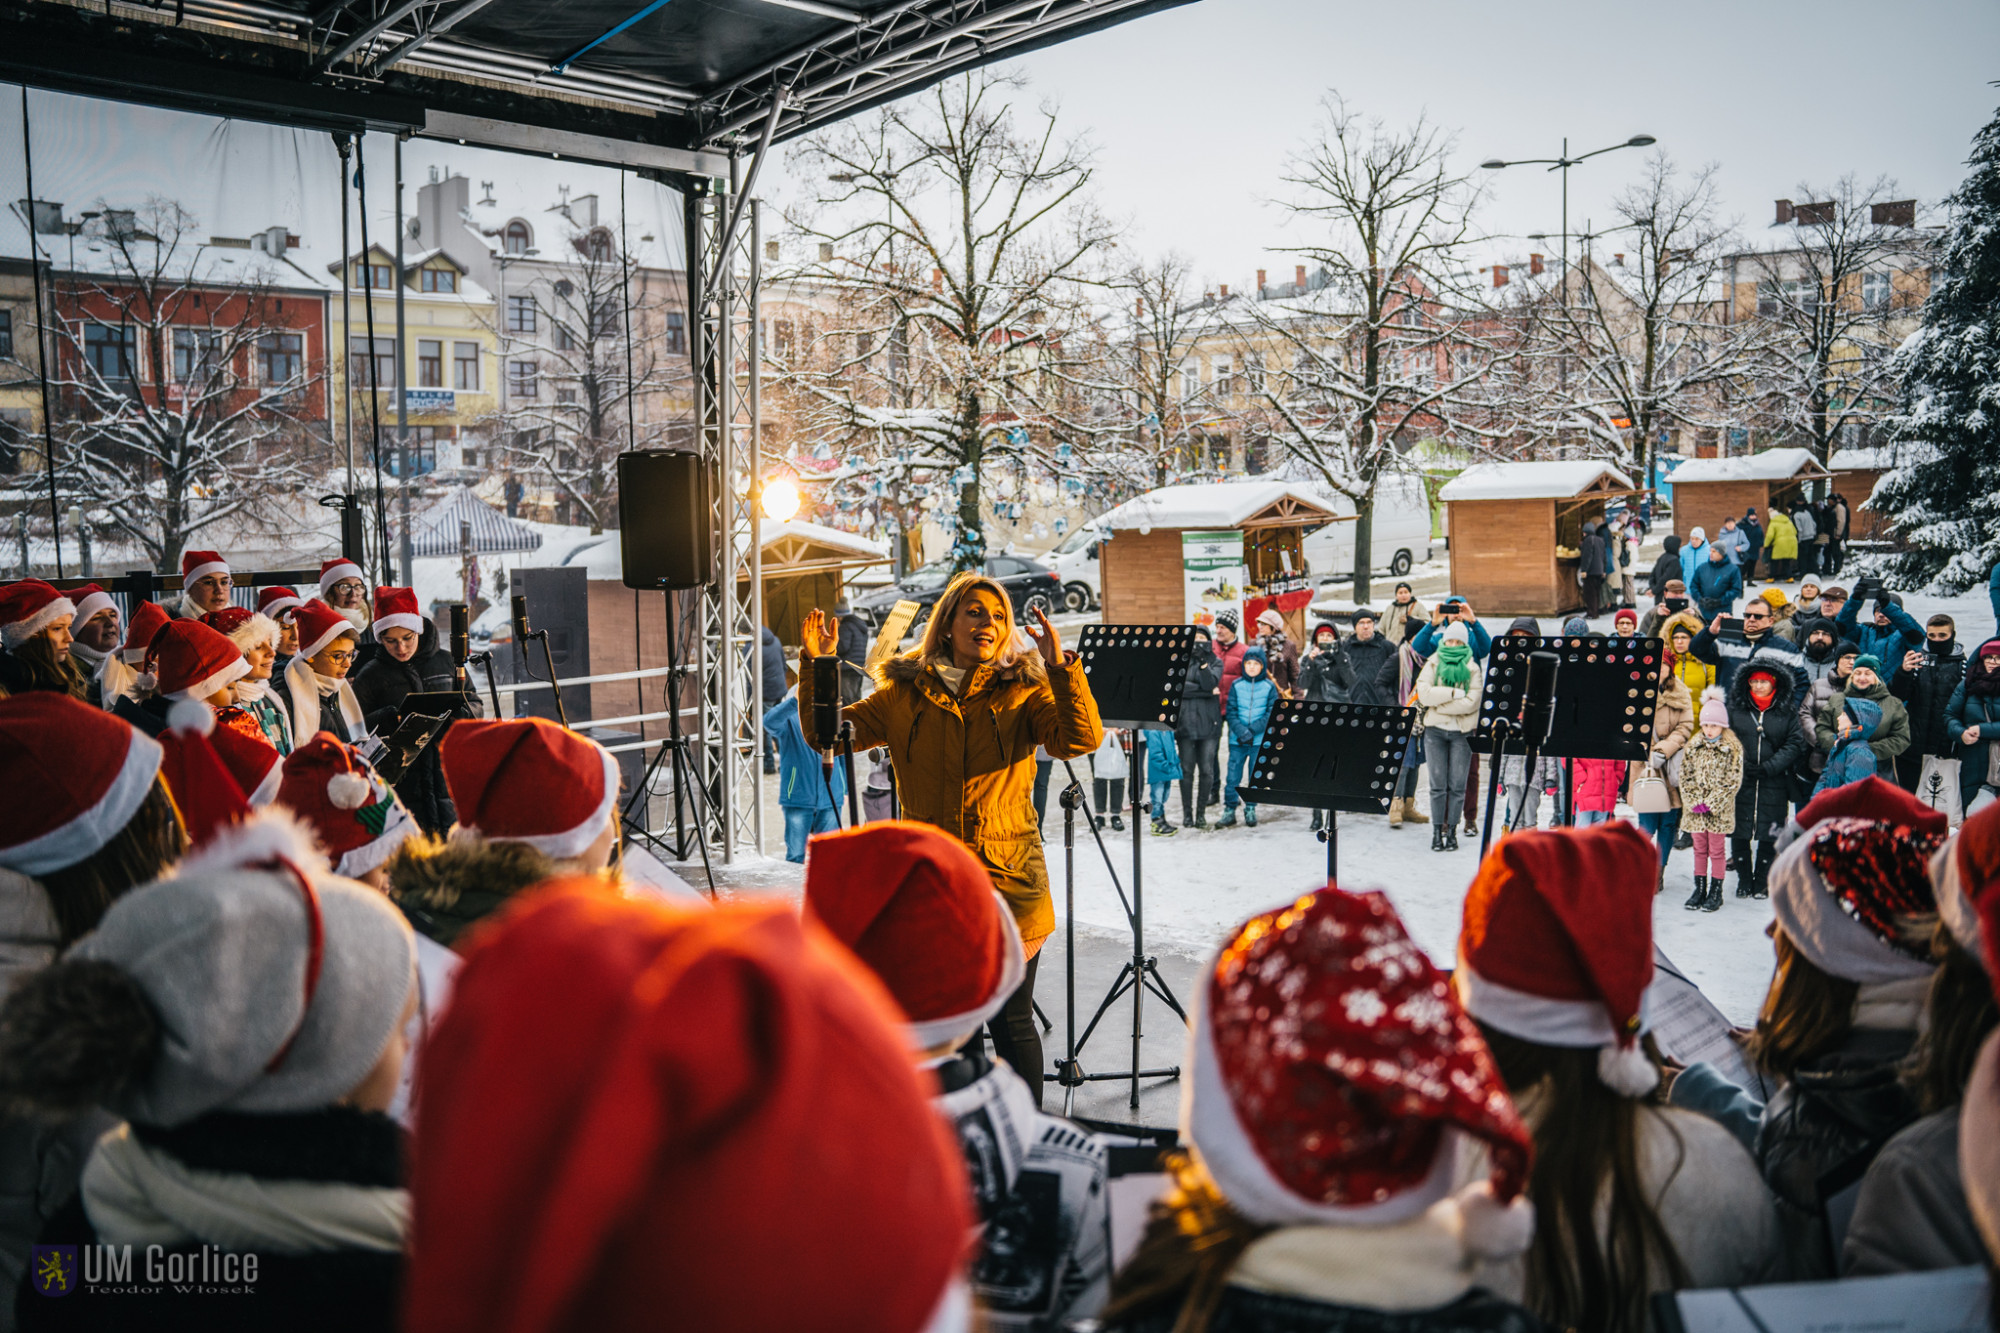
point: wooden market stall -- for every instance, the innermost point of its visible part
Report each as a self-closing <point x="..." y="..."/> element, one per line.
<point x="805" y="566"/>
<point x="1708" y="490"/>
<point x="1141" y="562"/>
<point x="1856" y="470"/>
<point x="1516" y="528"/>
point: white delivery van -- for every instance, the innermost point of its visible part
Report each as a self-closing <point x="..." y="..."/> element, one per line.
<point x="1075" y="560"/>
<point x="1401" y="535"/>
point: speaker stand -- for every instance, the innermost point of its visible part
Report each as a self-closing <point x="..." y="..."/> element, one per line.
<point x="676" y="745"/>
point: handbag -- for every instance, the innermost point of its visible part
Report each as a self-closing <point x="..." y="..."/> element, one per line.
<point x="1937" y="787"/>
<point x="1649" y="794"/>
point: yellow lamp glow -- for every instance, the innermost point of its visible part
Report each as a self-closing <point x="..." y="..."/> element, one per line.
<point x="780" y="499"/>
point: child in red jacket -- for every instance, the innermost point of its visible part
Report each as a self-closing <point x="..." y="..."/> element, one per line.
<point x="1598" y="782"/>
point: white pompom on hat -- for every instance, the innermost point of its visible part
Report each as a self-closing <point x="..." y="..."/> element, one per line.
<point x="355" y="816"/>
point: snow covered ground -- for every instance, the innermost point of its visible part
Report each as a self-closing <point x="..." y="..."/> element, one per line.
<point x="1199" y="884"/>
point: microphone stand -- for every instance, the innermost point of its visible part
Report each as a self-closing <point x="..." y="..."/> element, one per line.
<point x="847" y="767"/>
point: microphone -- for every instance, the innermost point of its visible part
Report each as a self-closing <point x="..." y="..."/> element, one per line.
<point x="461" y="633"/>
<point x="520" y="618"/>
<point x="826" y="699"/>
<point x="1538" y="704"/>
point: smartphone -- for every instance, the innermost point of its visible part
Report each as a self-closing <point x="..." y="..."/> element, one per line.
<point x="1732" y="627"/>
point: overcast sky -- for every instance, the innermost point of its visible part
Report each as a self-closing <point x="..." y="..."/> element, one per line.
<point x="1193" y="112"/>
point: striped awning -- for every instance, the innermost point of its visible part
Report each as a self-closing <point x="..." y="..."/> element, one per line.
<point x="435" y="531"/>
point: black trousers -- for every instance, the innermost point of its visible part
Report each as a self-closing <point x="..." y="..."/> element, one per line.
<point x="1117" y="786"/>
<point x="1017" y="1038"/>
<point x="1198" y="759"/>
<point x="1593" y="594"/>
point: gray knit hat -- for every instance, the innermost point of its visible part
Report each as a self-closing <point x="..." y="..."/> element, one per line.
<point x="221" y="951"/>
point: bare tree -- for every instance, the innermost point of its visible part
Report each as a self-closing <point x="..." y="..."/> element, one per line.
<point x="1165" y="327"/>
<point x="957" y="242"/>
<point x="1616" y="352"/>
<point x="581" y="408"/>
<point x="1828" y="301"/>
<point x="185" y="396"/>
<point x="1383" y="352"/>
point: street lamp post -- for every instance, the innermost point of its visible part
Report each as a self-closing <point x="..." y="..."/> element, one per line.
<point x="1563" y="164"/>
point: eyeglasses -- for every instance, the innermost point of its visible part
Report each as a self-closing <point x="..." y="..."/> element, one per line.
<point x="338" y="658"/>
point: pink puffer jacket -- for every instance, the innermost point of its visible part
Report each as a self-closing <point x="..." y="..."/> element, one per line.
<point x="1598" y="782"/>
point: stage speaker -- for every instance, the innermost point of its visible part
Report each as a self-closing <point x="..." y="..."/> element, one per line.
<point x="665" y="527"/>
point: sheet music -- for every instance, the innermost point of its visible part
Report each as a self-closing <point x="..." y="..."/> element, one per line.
<point x="1949" y="1300"/>
<point x="1690" y="1029"/>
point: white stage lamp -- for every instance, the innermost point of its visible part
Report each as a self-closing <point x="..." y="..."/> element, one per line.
<point x="780" y="499"/>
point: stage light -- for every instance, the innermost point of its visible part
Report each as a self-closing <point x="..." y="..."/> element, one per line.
<point x="780" y="499"/>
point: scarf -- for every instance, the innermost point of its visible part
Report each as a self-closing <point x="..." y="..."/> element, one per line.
<point x="90" y="655"/>
<point x="1455" y="665"/>
<point x="249" y="691"/>
<point x="1979" y="682"/>
<point x="306" y="688"/>
<point x="353" y="615"/>
<point x="138" y="1195"/>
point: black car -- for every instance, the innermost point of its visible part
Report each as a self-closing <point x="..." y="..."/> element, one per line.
<point x="1024" y="580"/>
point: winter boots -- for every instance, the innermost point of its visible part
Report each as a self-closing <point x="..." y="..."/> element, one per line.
<point x="1437" y="839"/>
<point x="1319" y="818"/>
<point x="1228" y="819"/>
<point x="1162" y="829"/>
<point x="1249" y="816"/>
<point x="1760" y="879"/>
<point x="1413" y="815"/>
<point x="1699" y="898"/>
<point x="1714" y="903"/>
<point x="1117" y="823"/>
<point x="1396" y="813"/>
<point x="1746" y="875"/>
<point x="1451" y="839"/>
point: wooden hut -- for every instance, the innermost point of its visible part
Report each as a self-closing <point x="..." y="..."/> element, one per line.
<point x="1855" y="471"/>
<point x="1709" y="490"/>
<point x="1141" y="566"/>
<point x="1516" y="528"/>
<point x="805" y="566"/>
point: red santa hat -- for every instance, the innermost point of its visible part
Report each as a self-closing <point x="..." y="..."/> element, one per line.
<point x="200" y="564"/>
<point x="743" y="1093"/>
<point x="74" y="776"/>
<point x="1557" y="944"/>
<point x="917" y="906"/>
<point x="149" y="619"/>
<point x="319" y="625"/>
<point x="396" y="608"/>
<point x="355" y="815"/>
<point x="205" y="788"/>
<point x="1963" y="872"/>
<point x="274" y="602"/>
<point x="243" y="627"/>
<point x="29" y="607"/>
<point x="528" y="780"/>
<point x="253" y="761"/>
<point x="188" y="660"/>
<point x="92" y="601"/>
<point x="1979" y="1117"/>
<point x="334" y="570"/>
<point x="1335" y="1080"/>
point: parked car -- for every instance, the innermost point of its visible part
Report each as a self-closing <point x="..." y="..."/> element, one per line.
<point x="1400" y="532"/>
<point x="1025" y="581"/>
<point x="1075" y="562"/>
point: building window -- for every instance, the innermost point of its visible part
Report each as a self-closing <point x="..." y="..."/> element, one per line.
<point x="781" y="342"/>
<point x="197" y="355"/>
<point x="6" y="335"/>
<point x="521" y="382"/>
<point x="430" y="363"/>
<point x="1253" y="372"/>
<point x="1800" y="293"/>
<point x="517" y="238"/>
<point x="465" y="365"/>
<point x="1190" y="380"/>
<point x="566" y="395"/>
<point x="1224" y="383"/>
<point x="111" y="351"/>
<point x="520" y="314"/>
<point x="1875" y="291"/>
<point x="468" y="456"/>
<point x="559" y="334"/>
<point x="864" y="346"/>
<point x="437" y="280"/>
<point x="597" y="247"/>
<point x="281" y="357"/>
<point x="373" y="275"/>
<point x="604" y="318"/>
<point x="676" y="331"/>
<point x="424" y="441"/>
<point x="375" y="371"/>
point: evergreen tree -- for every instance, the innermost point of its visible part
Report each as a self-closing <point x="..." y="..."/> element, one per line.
<point x="1945" y="490"/>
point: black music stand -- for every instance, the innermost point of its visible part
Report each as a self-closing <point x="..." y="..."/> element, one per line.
<point x="1607" y="688"/>
<point x="1331" y="757"/>
<point x="1135" y="674"/>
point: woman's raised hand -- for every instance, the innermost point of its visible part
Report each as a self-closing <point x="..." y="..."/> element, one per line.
<point x="1045" y="637"/>
<point x="819" y="635"/>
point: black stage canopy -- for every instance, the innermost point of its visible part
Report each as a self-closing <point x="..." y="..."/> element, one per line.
<point x="672" y="85"/>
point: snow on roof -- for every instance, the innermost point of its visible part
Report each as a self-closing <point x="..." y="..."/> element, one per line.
<point x="1858" y="458"/>
<point x="852" y="542"/>
<point x="1771" y="465"/>
<point x="1548" y="479"/>
<point x="1210" y="504"/>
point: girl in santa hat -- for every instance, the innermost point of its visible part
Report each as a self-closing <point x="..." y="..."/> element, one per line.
<point x="410" y="660"/>
<point x="1912" y="1214"/>
<point x="256" y="637"/>
<point x="1855" y="918"/>
<point x="314" y="686"/>
<point x="1336" y="1100"/>
<point x="1631" y="1198"/>
<point x="205" y="585"/>
<point x="35" y="622"/>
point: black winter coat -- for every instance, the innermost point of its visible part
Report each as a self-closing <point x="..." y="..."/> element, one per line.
<point x="380" y="688"/>
<point x="1243" y="1310"/>
<point x="851" y="647"/>
<point x="1374" y="667"/>
<point x="1926" y="695"/>
<point x="1326" y="676"/>
<point x="1590" y="555"/>
<point x="1775" y="741"/>
<point x="338" y="1291"/>
<point x="1666" y="567"/>
<point x="1201" y="711"/>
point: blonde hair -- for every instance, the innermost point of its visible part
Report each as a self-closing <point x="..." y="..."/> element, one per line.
<point x="934" y="648"/>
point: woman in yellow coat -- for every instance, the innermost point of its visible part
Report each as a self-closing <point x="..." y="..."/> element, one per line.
<point x="961" y="715"/>
<point x="1781" y="544"/>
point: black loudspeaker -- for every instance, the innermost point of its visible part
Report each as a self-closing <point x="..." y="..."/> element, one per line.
<point x="665" y="532"/>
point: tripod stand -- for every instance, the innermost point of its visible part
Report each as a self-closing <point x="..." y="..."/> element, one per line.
<point x="677" y="746"/>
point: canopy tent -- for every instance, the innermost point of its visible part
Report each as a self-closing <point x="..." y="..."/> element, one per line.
<point x="436" y="530"/>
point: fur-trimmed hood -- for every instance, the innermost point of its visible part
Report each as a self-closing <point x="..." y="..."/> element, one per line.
<point x="445" y="886"/>
<point x="1782" y="669"/>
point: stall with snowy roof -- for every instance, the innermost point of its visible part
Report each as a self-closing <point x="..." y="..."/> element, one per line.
<point x="1709" y="490"/>
<point x="805" y="567"/>
<point x="1141" y="563"/>
<point x="1516" y="529"/>
<point x="1856" y="471"/>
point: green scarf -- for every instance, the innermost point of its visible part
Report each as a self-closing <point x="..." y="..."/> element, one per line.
<point x="1455" y="665"/>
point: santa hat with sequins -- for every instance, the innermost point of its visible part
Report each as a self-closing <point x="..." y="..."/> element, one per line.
<point x="1854" y="897"/>
<point x="1336" y="1082"/>
<point x="1556" y="946"/>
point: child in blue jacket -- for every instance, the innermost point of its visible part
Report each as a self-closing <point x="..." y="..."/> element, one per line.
<point x="1251" y="699"/>
<point x="1159" y="765"/>
<point x="802" y="791"/>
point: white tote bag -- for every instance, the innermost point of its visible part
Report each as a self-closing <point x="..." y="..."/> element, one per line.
<point x="1937" y="787"/>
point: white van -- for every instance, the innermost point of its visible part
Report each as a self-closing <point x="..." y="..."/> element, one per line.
<point x="1401" y="534"/>
<point x="1075" y="559"/>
